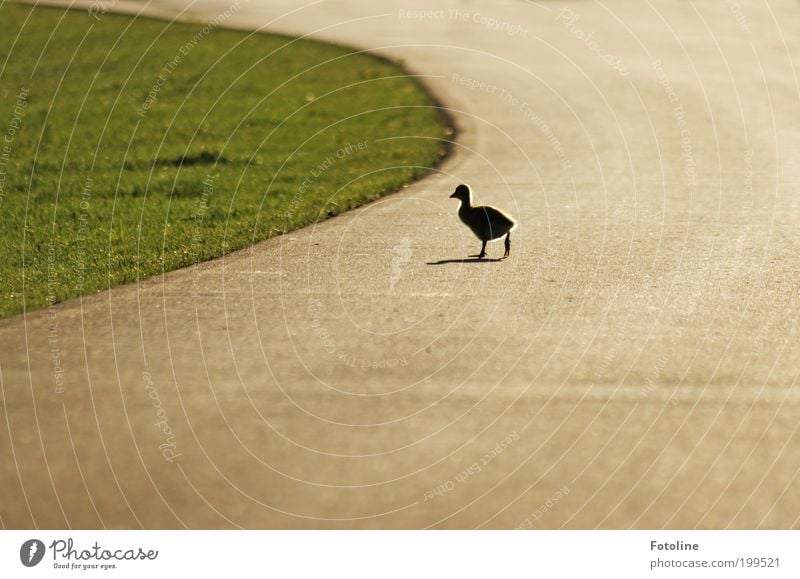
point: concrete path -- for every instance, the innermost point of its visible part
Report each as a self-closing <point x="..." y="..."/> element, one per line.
<point x="633" y="365"/>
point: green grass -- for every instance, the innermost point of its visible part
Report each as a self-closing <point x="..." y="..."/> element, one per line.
<point x="119" y="162"/>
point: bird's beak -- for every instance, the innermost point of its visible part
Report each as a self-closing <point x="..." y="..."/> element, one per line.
<point x="453" y="195"/>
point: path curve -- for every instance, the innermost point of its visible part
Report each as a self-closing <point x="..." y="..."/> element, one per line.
<point x="634" y="364"/>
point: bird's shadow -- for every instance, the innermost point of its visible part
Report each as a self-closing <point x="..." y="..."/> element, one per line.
<point x="471" y="259"/>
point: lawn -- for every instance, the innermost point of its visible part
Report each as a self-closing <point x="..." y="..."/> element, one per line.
<point x="132" y="146"/>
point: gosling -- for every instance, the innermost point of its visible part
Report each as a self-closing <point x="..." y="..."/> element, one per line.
<point x="485" y="221"/>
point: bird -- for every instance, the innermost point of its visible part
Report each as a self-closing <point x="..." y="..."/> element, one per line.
<point x="485" y="221"/>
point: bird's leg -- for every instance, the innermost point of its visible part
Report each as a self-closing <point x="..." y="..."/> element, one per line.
<point x="508" y="245"/>
<point x="483" y="250"/>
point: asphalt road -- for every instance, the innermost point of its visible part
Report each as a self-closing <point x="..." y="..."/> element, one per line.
<point x="634" y="364"/>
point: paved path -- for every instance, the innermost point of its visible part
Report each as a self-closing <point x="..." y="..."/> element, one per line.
<point x="634" y="364"/>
